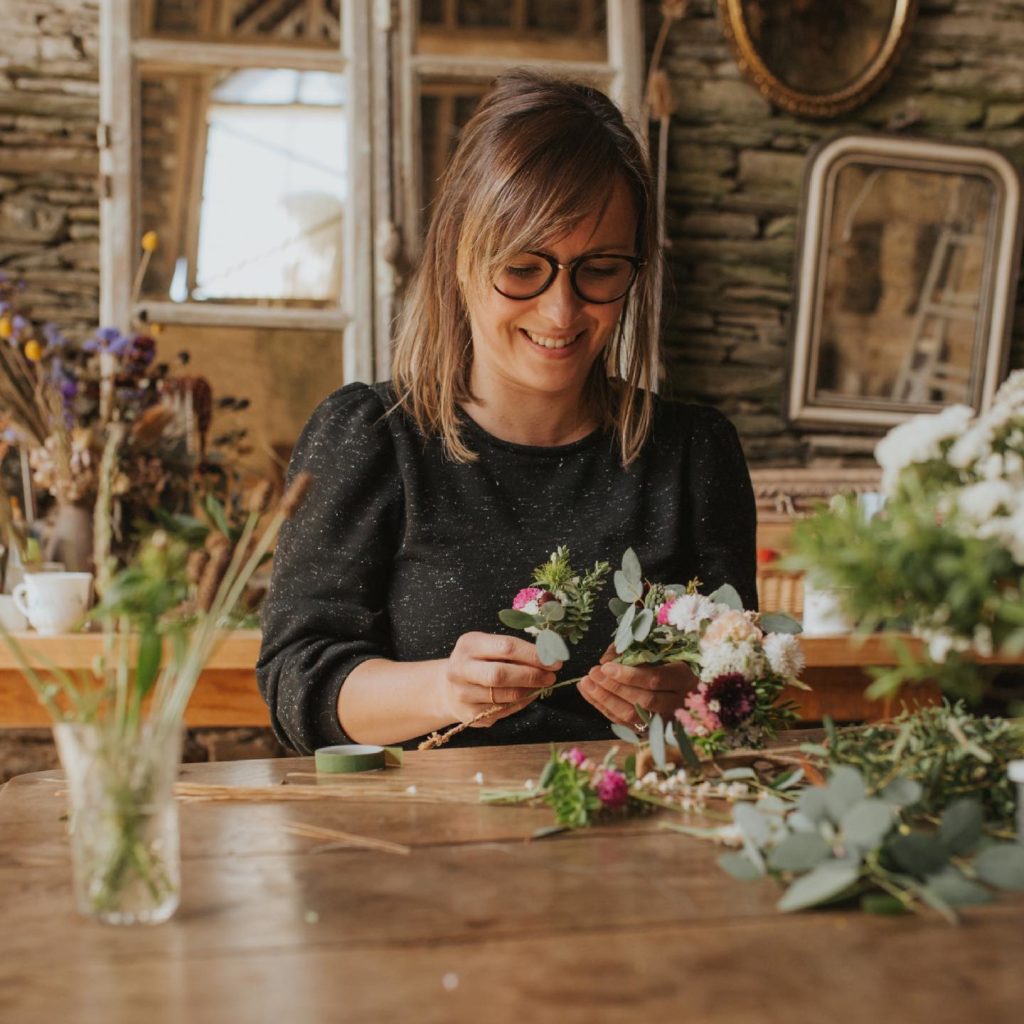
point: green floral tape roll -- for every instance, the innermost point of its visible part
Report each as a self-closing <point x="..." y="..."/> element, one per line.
<point x="349" y="758"/>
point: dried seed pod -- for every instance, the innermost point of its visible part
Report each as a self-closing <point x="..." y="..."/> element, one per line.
<point x="213" y="573"/>
<point x="296" y="492"/>
<point x="258" y="500"/>
<point x="149" y="427"/>
<point x="196" y="564"/>
<point x="215" y="541"/>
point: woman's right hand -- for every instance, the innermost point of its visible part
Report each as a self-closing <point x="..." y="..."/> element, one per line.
<point x="485" y="669"/>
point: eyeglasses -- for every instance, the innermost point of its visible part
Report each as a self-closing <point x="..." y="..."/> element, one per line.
<point x="597" y="277"/>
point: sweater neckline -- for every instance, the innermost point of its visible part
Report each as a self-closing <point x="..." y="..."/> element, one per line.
<point x="536" y="450"/>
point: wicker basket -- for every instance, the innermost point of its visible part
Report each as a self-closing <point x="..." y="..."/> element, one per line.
<point x="780" y="591"/>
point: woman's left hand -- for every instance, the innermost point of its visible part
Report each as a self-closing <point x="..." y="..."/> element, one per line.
<point x="614" y="689"/>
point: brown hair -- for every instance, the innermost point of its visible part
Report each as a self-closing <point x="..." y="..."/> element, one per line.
<point x="538" y="156"/>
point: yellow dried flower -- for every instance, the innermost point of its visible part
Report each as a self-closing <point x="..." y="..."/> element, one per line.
<point x="33" y="350"/>
<point x="155" y="330"/>
<point x="150" y="240"/>
<point x="6" y="329"/>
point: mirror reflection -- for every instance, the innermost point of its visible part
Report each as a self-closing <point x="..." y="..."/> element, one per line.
<point x="818" y="47"/>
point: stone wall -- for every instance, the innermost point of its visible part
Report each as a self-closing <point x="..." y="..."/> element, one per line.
<point x="735" y="169"/>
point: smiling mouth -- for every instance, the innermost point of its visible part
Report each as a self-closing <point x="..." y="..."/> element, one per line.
<point x="543" y="341"/>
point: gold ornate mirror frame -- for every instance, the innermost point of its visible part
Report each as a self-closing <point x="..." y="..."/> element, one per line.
<point x="808" y="104"/>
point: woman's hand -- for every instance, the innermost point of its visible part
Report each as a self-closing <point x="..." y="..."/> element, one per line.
<point x="485" y="669"/>
<point x="614" y="689"/>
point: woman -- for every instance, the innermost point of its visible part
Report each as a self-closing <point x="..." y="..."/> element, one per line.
<point x="519" y="418"/>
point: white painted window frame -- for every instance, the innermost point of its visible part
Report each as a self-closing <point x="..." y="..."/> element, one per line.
<point x="123" y="56"/>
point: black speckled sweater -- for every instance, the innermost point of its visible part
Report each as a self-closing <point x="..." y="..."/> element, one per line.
<point x="398" y="550"/>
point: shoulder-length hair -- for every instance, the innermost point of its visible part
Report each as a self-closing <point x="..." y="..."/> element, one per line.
<point x="538" y="156"/>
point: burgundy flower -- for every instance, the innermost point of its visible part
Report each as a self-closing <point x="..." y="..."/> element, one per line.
<point x="734" y="696"/>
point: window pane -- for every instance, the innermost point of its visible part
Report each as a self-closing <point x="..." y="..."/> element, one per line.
<point x="312" y="21"/>
<point x="284" y="374"/>
<point x="244" y="181"/>
<point x="444" y="108"/>
<point x="507" y="29"/>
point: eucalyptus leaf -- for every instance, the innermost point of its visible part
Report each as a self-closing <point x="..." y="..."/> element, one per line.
<point x="657" y="739"/>
<point x="845" y="788"/>
<point x="551" y="647"/>
<point x="917" y="854"/>
<point x="735" y="774"/>
<point x="642" y="625"/>
<point x="515" y="619"/>
<point x="881" y="903"/>
<point x="553" y="611"/>
<point x="631" y="567"/>
<point x="1002" y="866"/>
<point x="549" y="830"/>
<point x="625" y="590"/>
<point x="902" y="792"/>
<point x="827" y="882"/>
<point x="789" y="780"/>
<point x="955" y="890"/>
<point x="799" y="851"/>
<point x="799" y="822"/>
<point x="740" y="866"/>
<point x="624" y="633"/>
<point x="546" y="774"/>
<point x="752" y="823"/>
<point x="617" y="607"/>
<point x="150" y="654"/>
<point x="867" y="823"/>
<point x="625" y="733"/>
<point x="811" y="803"/>
<point x="729" y="596"/>
<point x="961" y="825"/>
<point x="779" y="622"/>
<point x="215" y="510"/>
<point x="686" y="749"/>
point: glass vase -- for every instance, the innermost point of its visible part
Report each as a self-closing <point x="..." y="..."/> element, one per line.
<point x="123" y="821"/>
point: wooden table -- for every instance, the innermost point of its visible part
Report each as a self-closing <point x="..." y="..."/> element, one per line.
<point x="625" y="923"/>
<point x="226" y="694"/>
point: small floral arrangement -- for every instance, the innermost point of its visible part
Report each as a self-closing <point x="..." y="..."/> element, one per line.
<point x="558" y="607"/>
<point x="744" y="660"/>
<point x="945" y="556"/>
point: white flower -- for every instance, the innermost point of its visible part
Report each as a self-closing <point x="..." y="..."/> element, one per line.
<point x="919" y="440"/>
<point x="978" y="503"/>
<point x="745" y="657"/>
<point x="687" y="612"/>
<point x="784" y="654"/>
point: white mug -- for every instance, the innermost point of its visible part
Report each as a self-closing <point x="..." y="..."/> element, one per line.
<point x="10" y="615"/>
<point x="53" y="602"/>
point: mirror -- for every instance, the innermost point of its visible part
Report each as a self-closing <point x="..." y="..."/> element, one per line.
<point x="909" y="252"/>
<point x="817" y="58"/>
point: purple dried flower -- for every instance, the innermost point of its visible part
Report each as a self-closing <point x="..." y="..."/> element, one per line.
<point x="732" y="698"/>
<point x="107" y="335"/>
<point x="612" y="789"/>
<point x="18" y="322"/>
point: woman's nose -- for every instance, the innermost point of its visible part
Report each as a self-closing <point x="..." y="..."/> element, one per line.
<point x="559" y="303"/>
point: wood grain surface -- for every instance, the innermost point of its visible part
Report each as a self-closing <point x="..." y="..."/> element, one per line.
<point x="477" y="923"/>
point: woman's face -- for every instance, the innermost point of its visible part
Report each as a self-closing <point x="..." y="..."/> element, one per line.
<point x="548" y="344"/>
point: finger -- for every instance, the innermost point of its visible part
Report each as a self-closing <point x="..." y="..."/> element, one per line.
<point x="661" y="679"/>
<point x="610" y="705"/>
<point x="608" y="655"/>
<point x="494" y="647"/>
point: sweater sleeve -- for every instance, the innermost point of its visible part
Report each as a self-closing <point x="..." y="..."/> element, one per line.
<point x="724" y="514"/>
<point x="326" y="611"/>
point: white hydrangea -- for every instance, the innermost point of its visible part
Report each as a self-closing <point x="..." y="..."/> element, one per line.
<point x="784" y="654"/>
<point x="919" y="440"/>
<point x="687" y="612"/>
<point x="980" y="502"/>
<point x="745" y="657"/>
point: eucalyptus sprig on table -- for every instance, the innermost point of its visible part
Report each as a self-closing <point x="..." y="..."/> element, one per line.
<point x="947" y="751"/>
<point x="846" y="841"/>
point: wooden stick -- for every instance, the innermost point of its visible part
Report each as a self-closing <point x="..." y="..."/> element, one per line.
<point x="349" y="838"/>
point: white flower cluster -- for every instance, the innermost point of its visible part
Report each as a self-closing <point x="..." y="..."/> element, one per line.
<point x="745" y="657"/>
<point x="688" y="611"/>
<point x="918" y="440"/>
<point x="784" y="654"/>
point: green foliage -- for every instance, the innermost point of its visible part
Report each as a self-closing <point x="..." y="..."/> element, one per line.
<point x="946" y="752"/>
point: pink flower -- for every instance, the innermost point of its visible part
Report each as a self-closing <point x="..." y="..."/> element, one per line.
<point x="698" y="719"/>
<point x="731" y="625"/>
<point x="575" y="756"/>
<point x="663" y="611"/>
<point x="528" y="600"/>
<point x="612" y="789"/>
